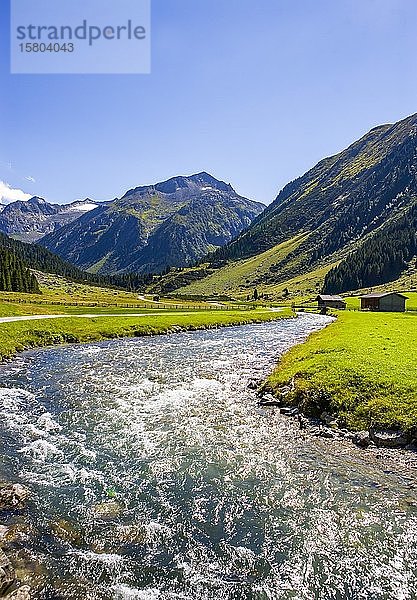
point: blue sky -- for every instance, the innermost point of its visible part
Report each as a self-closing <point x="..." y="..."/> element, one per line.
<point x="254" y="92"/>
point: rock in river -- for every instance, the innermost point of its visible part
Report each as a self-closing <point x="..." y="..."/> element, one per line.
<point x="7" y="575"/>
<point x="107" y="510"/>
<point x="362" y="439"/>
<point x="23" y="593"/>
<point x="13" y="496"/>
<point x="388" y="438"/>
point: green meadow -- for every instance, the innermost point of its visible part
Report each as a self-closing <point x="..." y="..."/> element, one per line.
<point x="23" y="335"/>
<point x="238" y="279"/>
<point x="361" y="368"/>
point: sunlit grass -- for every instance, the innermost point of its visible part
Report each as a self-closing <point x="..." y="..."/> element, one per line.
<point x="362" y="367"/>
<point x="238" y="279"/>
<point x="21" y="335"/>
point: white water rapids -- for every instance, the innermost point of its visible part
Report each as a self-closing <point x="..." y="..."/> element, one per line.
<point x="154" y="475"/>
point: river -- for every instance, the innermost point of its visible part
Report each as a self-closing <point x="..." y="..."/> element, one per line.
<point x="154" y="475"/>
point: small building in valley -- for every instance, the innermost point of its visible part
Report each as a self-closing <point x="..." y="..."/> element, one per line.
<point x="385" y="302"/>
<point x="326" y="301"/>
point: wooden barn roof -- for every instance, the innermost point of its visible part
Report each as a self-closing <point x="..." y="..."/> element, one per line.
<point x="328" y="297"/>
<point x="383" y="295"/>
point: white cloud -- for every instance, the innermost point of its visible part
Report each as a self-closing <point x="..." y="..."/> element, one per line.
<point x="31" y="179"/>
<point x="9" y="194"/>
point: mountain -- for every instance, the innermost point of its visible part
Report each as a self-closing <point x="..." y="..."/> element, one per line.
<point x="30" y="220"/>
<point x="328" y="216"/>
<point x="172" y="223"/>
<point x="381" y="258"/>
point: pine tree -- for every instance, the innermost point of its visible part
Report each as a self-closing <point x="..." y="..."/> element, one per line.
<point x="15" y="275"/>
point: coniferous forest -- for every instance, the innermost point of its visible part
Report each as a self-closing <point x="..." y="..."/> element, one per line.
<point x="41" y="259"/>
<point x="15" y="275"/>
<point x="380" y="259"/>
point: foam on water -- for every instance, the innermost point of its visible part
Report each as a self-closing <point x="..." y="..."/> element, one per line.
<point x="154" y="475"/>
<point x="124" y="592"/>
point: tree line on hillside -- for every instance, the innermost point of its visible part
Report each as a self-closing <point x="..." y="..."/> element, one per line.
<point x="250" y="242"/>
<point x="133" y="282"/>
<point x="39" y="258"/>
<point x="15" y="275"/>
<point x="380" y="259"/>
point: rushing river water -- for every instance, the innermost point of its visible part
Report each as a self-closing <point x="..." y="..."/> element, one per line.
<point x="154" y="475"/>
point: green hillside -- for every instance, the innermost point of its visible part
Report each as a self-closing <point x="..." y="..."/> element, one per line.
<point x="239" y="278"/>
<point x="353" y="214"/>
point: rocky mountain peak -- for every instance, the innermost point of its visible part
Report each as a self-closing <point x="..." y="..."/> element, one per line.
<point x="176" y="185"/>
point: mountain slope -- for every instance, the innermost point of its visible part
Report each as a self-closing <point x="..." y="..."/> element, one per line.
<point x="173" y="223"/>
<point x="337" y="206"/>
<point x="28" y="221"/>
<point x="342" y="197"/>
<point x="381" y="258"/>
<point x="40" y="259"/>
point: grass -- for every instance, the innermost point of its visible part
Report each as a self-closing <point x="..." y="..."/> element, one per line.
<point x="62" y="296"/>
<point x="239" y="278"/>
<point x="16" y="308"/>
<point x="10" y="309"/>
<point x="362" y="368"/>
<point x="302" y="288"/>
<point x="22" y="335"/>
<point x="242" y="273"/>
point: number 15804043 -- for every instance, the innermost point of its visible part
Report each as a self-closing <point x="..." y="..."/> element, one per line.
<point x="36" y="47"/>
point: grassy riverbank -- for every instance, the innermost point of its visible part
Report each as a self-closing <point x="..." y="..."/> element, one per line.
<point x="362" y="367"/>
<point x="22" y="335"/>
<point x="59" y="295"/>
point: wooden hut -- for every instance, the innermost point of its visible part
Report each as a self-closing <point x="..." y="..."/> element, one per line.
<point x="385" y="302"/>
<point x="326" y="301"/>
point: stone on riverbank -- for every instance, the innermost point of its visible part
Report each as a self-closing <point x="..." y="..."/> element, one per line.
<point x="269" y="400"/>
<point x="289" y="411"/>
<point x="7" y="574"/>
<point x="330" y="420"/>
<point x="23" y="593"/>
<point x="13" y="496"/>
<point x="362" y="439"/>
<point x="327" y="433"/>
<point x="388" y="438"/>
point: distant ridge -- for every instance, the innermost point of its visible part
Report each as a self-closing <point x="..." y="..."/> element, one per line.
<point x="30" y="220"/>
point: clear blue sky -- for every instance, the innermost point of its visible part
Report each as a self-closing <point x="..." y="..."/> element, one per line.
<point x="255" y="92"/>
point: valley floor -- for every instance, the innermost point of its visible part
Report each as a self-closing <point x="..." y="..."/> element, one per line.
<point x="23" y="334"/>
<point x="362" y="368"/>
